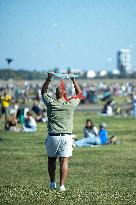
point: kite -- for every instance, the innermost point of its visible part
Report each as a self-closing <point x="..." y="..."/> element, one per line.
<point x="66" y="76"/>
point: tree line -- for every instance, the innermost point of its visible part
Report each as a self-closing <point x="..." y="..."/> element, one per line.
<point x="6" y="74"/>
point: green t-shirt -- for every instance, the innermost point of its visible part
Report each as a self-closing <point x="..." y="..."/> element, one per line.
<point x="60" y="114"/>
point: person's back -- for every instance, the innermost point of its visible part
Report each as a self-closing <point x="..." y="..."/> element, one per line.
<point x="60" y="114"/>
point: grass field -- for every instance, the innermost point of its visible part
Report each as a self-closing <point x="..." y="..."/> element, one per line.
<point x="97" y="175"/>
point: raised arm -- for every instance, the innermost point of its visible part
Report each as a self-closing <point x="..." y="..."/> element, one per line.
<point x="46" y="84"/>
<point x="76" y="86"/>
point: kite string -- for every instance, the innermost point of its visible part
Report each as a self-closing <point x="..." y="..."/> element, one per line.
<point x="63" y="90"/>
<point x="80" y="95"/>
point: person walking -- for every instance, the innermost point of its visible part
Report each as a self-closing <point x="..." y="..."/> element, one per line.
<point x="60" y="113"/>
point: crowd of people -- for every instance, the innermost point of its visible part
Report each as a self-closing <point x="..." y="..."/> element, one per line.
<point x="23" y="105"/>
<point x="108" y="93"/>
<point x="23" y="111"/>
<point x="94" y="93"/>
<point x="18" y="115"/>
<point x="20" y="118"/>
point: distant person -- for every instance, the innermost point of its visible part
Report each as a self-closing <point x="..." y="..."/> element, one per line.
<point x="103" y="134"/>
<point x="90" y="129"/>
<point x="22" y="111"/>
<point x="93" y="96"/>
<point x="133" y="105"/>
<point x="107" y="109"/>
<point x="11" y="124"/>
<point x="90" y="135"/>
<point x="5" y="102"/>
<point x="100" y="139"/>
<point x="36" y="108"/>
<point x="14" y="108"/>
<point x="30" y="124"/>
<point x="106" y="94"/>
<point x="42" y="116"/>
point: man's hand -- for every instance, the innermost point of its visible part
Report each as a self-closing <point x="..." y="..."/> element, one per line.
<point x="73" y="79"/>
<point x="49" y="76"/>
<point x="76" y="86"/>
<point x="46" y="84"/>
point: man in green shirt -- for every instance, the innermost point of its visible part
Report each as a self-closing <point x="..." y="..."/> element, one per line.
<point x="60" y="124"/>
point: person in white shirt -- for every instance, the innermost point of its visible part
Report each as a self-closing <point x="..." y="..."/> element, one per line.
<point x="30" y="123"/>
<point x="107" y="109"/>
<point x="90" y="129"/>
<point x="90" y="135"/>
<point x="14" y="108"/>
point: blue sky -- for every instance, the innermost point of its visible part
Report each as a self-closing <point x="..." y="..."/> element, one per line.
<point x="82" y="34"/>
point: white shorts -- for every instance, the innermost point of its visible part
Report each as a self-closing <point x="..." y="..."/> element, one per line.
<point x="59" y="146"/>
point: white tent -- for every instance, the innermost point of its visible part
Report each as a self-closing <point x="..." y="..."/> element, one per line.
<point x="103" y="73"/>
<point x="91" y="74"/>
<point x="116" y="72"/>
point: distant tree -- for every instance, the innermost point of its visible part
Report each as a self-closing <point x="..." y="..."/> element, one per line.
<point x="6" y="74"/>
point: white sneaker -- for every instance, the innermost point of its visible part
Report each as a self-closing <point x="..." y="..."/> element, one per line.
<point x="62" y="188"/>
<point x="52" y="185"/>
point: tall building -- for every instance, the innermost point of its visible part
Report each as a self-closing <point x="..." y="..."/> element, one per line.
<point x="124" y="61"/>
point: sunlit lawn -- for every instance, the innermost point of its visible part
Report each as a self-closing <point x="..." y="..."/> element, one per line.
<point x="97" y="175"/>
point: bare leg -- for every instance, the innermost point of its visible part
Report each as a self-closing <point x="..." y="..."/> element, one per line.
<point x="52" y="168"/>
<point x="63" y="169"/>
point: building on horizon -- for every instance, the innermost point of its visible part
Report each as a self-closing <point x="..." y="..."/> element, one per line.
<point x="124" y="61"/>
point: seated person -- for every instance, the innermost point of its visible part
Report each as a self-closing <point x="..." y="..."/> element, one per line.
<point x="41" y="117"/>
<point x="11" y="124"/>
<point x="29" y="123"/>
<point x="38" y="117"/>
<point x="90" y="135"/>
<point x="36" y="108"/>
<point x="103" y="134"/>
<point x="101" y="139"/>
<point x="14" y="108"/>
<point x="90" y="129"/>
<point x="22" y="110"/>
<point x="107" y="109"/>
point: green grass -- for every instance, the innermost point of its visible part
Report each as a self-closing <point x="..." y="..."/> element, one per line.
<point x="99" y="175"/>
